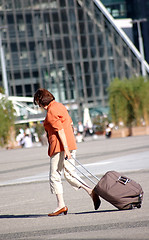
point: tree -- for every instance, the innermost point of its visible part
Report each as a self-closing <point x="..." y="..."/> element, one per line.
<point x="120" y="107"/>
<point x="129" y="101"/>
<point x="7" y="117"/>
<point x="144" y="95"/>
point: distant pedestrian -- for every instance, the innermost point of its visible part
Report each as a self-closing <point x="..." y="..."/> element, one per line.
<point x="108" y="131"/>
<point x="80" y="132"/>
<point x="27" y="141"/>
<point x="20" y="137"/>
<point x="80" y="128"/>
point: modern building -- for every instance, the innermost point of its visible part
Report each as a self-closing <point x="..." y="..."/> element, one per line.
<point x="119" y="11"/>
<point x="140" y="10"/>
<point x="124" y="11"/>
<point x="71" y="47"/>
<point x="117" y="8"/>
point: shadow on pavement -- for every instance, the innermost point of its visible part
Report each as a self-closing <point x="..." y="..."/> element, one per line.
<point x="102" y="211"/>
<point x="45" y="215"/>
<point x="24" y="216"/>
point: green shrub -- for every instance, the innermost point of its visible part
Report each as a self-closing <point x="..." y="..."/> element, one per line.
<point x="7" y="118"/>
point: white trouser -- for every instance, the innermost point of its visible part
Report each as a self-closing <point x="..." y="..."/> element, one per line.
<point x="57" y="165"/>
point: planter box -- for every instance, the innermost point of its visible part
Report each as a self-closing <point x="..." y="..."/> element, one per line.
<point x="120" y="133"/>
<point x="136" y="131"/>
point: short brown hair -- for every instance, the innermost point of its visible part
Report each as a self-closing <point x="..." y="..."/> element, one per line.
<point x="43" y="97"/>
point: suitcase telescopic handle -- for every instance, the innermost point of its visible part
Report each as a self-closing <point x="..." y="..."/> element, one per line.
<point x="84" y="169"/>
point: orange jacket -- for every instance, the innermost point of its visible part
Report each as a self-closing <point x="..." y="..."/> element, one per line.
<point x="57" y="118"/>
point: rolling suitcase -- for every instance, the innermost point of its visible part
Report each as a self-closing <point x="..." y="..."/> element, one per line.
<point x="121" y="191"/>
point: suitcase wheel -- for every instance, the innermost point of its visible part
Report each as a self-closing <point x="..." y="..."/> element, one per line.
<point x="138" y="205"/>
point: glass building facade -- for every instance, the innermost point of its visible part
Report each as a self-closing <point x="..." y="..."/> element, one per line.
<point x="117" y="8"/>
<point x="133" y="9"/>
<point x="69" y="47"/>
<point x="139" y="9"/>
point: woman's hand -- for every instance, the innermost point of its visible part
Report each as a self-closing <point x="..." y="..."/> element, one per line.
<point x="67" y="153"/>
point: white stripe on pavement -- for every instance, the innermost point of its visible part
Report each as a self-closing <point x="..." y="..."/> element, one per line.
<point x="131" y="162"/>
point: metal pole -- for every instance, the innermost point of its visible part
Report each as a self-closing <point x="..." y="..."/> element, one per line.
<point x="141" y="47"/>
<point x="3" y="65"/>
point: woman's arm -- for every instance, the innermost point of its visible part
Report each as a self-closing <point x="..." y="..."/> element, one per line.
<point x="63" y="139"/>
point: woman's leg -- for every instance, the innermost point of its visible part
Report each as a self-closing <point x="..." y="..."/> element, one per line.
<point x="93" y="195"/>
<point x="60" y="201"/>
<point x="70" y="173"/>
<point x="56" y="166"/>
<point x="72" y="177"/>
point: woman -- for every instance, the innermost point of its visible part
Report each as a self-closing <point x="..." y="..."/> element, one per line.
<point x="62" y="144"/>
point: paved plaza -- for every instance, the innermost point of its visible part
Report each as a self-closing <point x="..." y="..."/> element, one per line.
<point x="26" y="199"/>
